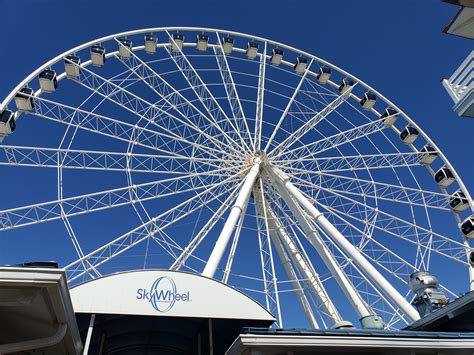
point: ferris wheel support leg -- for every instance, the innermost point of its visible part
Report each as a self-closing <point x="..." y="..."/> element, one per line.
<point x="279" y="235"/>
<point x="345" y="245"/>
<point x="229" y="226"/>
<point x="311" y="234"/>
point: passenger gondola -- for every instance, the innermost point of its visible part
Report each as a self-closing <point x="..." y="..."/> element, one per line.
<point x="368" y="101"/>
<point x="24" y="99"/>
<point x="125" y="48"/>
<point x="277" y="56"/>
<point x="150" y="44"/>
<point x="7" y="122"/>
<point x="444" y="177"/>
<point x="202" y="42"/>
<point x="97" y="55"/>
<point x="48" y="80"/>
<point x="177" y="41"/>
<point x="389" y="116"/>
<point x="458" y="202"/>
<point x="409" y="135"/>
<point x="324" y="74"/>
<point x="346" y="85"/>
<point x="227" y="44"/>
<point x="300" y="65"/>
<point x="467" y="227"/>
<point x="252" y="50"/>
<point x="72" y="66"/>
<point x="427" y="154"/>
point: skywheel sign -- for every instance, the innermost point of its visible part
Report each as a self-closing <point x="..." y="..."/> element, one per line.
<point x="164" y="293"/>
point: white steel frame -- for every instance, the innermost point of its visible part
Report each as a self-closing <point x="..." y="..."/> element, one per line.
<point x="215" y="154"/>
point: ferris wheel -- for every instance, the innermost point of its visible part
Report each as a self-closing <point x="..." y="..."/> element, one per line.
<point x="241" y="159"/>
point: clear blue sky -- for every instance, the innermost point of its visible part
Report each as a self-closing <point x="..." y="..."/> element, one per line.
<point x="395" y="46"/>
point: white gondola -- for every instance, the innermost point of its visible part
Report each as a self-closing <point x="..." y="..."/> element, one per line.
<point x="300" y="65"/>
<point x="444" y="177"/>
<point x="48" y="80"/>
<point x="97" y="55"/>
<point x="24" y="99"/>
<point x="427" y="154"/>
<point x="72" y="66"/>
<point x="324" y="74"/>
<point x="202" y="42"/>
<point x="467" y="227"/>
<point x="409" y="135"/>
<point x="177" y="41"/>
<point x="389" y="117"/>
<point x="458" y="202"/>
<point x="227" y="44"/>
<point x="277" y="56"/>
<point x="150" y="44"/>
<point x="368" y="101"/>
<point x="125" y="48"/>
<point x="7" y="122"/>
<point x="346" y="85"/>
<point x="252" y="50"/>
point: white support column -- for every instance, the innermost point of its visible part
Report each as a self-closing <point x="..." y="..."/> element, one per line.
<point x="345" y="245"/>
<point x="306" y="269"/>
<point x="278" y="234"/>
<point x="89" y="335"/>
<point x="229" y="226"/>
<point x="329" y="260"/>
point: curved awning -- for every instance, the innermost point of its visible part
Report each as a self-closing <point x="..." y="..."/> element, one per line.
<point x="165" y="293"/>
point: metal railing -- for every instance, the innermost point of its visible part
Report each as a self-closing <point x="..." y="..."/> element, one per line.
<point x="460" y="86"/>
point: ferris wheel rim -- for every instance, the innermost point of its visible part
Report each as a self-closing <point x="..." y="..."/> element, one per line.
<point x="156" y="30"/>
<point x="59" y="57"/>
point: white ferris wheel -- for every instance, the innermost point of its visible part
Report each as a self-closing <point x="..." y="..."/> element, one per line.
<point x="240" y="158"/>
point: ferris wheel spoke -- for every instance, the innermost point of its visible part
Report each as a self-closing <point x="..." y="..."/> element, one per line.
<point x="201" y="90"/>
<point x="97" y="201"/>
<point x="365" y="188"/>
<point x="170" y="127"/>
<point x="359" y="162"/>
<point x="260" y="99"/>
<point x="148" y="229"/>
<point x="403" y="229"/>
<point x="109" y="127"/>
<point x="97" y="160"/>
<point x="334" y="141"/>
<point x="211" y="222"/>
<point x="231" y="91"/>
<point x="288" y="106"/>
<point x="173" y="100"/>
<point x="309" y="125"/>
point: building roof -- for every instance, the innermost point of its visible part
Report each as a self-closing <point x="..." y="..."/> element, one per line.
<point x="456" y="316"/>
<point x="340" y="341"/>
<point x="462" y="24"/>
<point x="36" y="312"/>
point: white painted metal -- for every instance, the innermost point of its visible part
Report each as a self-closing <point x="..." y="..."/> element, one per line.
<point x="311" y="234"/>
<point x="232" y="219"/>
<point x="202" y="296"/>
<point x="351" y="250"/>
<point x="194" y="146"/>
